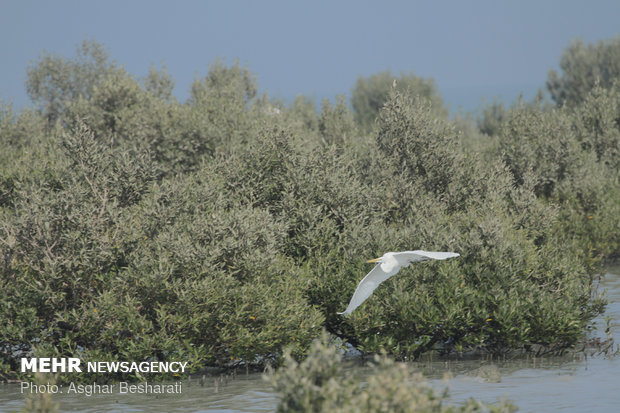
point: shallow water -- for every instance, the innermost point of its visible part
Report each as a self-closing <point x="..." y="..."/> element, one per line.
<point x="575" y="383"/>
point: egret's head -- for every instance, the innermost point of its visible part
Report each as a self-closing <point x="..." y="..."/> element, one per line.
<point x="375" y="259"/>
<point x="387" y="262"/>
<point x="381" y="259"/>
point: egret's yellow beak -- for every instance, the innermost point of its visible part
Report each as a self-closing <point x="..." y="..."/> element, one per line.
<point x="375" y="260"/>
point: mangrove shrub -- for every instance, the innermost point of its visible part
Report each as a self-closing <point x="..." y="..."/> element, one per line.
<point x="229" y="227"/>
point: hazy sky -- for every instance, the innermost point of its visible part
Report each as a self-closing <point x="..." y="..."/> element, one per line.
<point x="473" y="49"/>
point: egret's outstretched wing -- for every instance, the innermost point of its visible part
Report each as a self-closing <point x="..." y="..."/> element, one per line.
<point x="389" y="265"/>
<point x="420" y="255"/>
<point x="365" y="288"/>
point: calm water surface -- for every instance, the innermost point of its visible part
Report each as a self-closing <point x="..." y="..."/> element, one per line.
<point x="576" y="383"/>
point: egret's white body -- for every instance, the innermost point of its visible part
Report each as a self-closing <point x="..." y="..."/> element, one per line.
<point x="387" y="266"/>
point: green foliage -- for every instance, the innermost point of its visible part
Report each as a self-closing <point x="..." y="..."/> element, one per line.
<point x="41" y="402"/>
<point x="18" y="130"/>
<point x="226" y="228"/>
<point x="117" y="108"/>
<point x="597" y="122"/>
<point x="109" y="104"/>
<point x="303" y="114"/>
<point x="541" y="142"/>
<point x="572" y="154"/>
<point x="54" y="81"/>
<point x="417" y="144"/>
<point x="218" y="105"/>
<point x="443" y="199"/>
<point x="159" y="84"/>
<point x="172" y="275"/>
<point x="582" y="67"/>
<point x="321" y="384"/>
<point x="492" y="117"/>
<point x="336" y="124"/>
<point x="61" y="238"/>
<point x="370" y="94"/>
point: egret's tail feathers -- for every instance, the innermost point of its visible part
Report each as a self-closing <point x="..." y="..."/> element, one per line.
<point x="345" y="313"/>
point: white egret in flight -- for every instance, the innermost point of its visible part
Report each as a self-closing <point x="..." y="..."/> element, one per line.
<point x="387" y="266"/>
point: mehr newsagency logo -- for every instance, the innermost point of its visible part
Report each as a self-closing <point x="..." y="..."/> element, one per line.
<point x="74" y="365"/>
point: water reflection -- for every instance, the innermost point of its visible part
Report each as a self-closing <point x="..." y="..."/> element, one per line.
<point x="579" y="382"/>
<point x="576" y="383"/>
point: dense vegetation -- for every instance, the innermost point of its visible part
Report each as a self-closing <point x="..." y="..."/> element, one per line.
<point x="321" y="384"/>
<point x="226" y="228"/>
